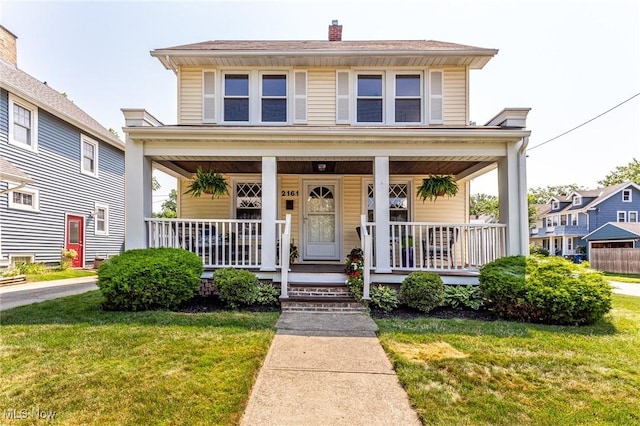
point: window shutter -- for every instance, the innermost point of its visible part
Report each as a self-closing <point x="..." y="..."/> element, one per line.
<point x="435" y="97"/>
<point x="342" y="97"/>
<point x="300" y="97"/>
<point x="208" y="96"/>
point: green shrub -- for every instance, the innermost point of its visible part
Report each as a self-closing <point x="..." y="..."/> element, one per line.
<point x="266" y="294"/>
<point x="550" y="290"/>
<point x="384" y="298"/>
<point x="144" y="279"/>
<point x="422" y="290"/>
<point x="31" y="268"/>
<point x="463" y="296"/>
<point x="236" y="287"/>
<point x="539" y="250"/>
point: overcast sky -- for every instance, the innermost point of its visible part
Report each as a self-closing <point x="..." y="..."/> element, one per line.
<point x="567" y="60"/>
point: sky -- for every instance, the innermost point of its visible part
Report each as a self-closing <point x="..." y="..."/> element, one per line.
<point x="568" y="61"/>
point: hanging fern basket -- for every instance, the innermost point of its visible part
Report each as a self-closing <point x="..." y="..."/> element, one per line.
<point x="437" y="186"/>
<point x="210" y="183"/>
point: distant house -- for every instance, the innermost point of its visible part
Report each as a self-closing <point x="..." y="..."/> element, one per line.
<point x="61" y="173"/>
<point x="565" y="220"/>
<point x="615" y="235"/>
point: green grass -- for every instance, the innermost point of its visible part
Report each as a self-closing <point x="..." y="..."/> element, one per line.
<point x="95" y="367"/>
<point x="60" y="275"/>
<point x="460" y="372"/>
<point x="623" y="278"/>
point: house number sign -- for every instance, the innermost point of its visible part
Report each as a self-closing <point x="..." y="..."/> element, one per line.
<point x="290" y="193"/>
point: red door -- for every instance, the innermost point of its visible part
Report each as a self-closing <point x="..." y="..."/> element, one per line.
<point x="75" y="238"/>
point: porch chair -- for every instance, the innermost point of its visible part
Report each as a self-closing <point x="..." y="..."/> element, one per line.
<point x="439" y="244"/>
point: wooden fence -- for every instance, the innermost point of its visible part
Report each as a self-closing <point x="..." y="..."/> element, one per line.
<point x="618" y="260"/>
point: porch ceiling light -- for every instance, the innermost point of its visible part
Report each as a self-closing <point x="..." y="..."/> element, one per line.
<point x="322" y="167"/>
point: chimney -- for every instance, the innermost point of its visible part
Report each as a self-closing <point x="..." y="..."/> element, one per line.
<point x="335" y="31"/>
<point x="8" y="49"/>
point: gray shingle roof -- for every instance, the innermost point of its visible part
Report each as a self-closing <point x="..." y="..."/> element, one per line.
<point x="10" y="172"/>
<point x="633" y="227"/>
<point x="22" y="84"/>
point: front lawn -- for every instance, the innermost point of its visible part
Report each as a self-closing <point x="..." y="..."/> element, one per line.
<point x="622" y="278"/>
<point x="460" y="371"/>
<point x="95" y="367"/>
<point x="55" y="274"/>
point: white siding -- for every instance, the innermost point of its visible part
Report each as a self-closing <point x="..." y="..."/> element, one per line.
<point x="190" y="101"/>
<point x="455" y="92"/>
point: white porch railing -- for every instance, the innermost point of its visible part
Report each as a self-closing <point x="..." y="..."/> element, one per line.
<point x="444" y="246"/>
<point x="218" y="242"/>
<point x="285" y="251"/>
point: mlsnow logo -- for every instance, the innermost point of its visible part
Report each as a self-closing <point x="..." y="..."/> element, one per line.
<point x="34" y="413"/>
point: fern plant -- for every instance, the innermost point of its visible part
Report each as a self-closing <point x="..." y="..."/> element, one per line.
<point x="208" y="182"/>
<point x="437" y="186"/>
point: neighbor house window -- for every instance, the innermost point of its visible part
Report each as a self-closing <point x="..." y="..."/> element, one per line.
<point x="555" y="205"/>
<point x="577" y="200"/>
<point x="632" y="216"/>
<point x="569" y="243"/>
<point x="23" y="122"/>
<point x="101" y="219"/>
<point x="369" y="100"/>
<point x="398" y="202"/>
<point x="626" y="196"/>
<point x="574" y="219"/>
<point x="408" y="100"/>
<point x="24" y="199"/>
<point x="236" y="97"/>
<point x="563" y="219"/>
<point x="89" y="164"/>
<point x="622" y="216"/>
<point x="274" y="98"/>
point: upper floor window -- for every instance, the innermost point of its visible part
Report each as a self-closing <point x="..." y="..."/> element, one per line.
<point x="555" y="205"/>
<point x="23" y="124"/>
<point x="101" y="219"/>
<point x="563" y="220"/>
<point x="236" y="97"/>
<point x="632" y="216"/>
<point x="274" y="98"/>
<point x="574" y="219"/>
<point x="626" y="196"/>
<point x="89" y="162"/>
<point x="408" y="102"/>
<point x="24" y="199"/>
<point x="622" y="216"/>
<point x="369" y="99"/>
<point x="577" y="200"/>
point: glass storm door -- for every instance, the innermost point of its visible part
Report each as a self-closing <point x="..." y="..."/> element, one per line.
<point x="320" y="224"/>
<point x="75" y="238"/>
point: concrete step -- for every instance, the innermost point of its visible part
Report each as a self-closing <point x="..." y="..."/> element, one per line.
<point x="332" y="304"/>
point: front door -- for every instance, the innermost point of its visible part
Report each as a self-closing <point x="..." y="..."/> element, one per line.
<point x="75" y="238"/>
<point x="321" y="220"/>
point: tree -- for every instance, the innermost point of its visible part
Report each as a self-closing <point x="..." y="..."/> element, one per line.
<point x="155" y="185"/>
<point x="483" y="204"/>
<point x="170" y="206"/>
<point x="542" y="195"/>
<point x="628" y="173"/>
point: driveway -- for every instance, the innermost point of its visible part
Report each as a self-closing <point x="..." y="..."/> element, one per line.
<point x="630" y="289"/>
<point x="26" y="294"/>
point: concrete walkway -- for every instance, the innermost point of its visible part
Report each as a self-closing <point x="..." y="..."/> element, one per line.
<point x="12" y="296"/>
<point x="630" y="289"/>
<point x="327" y="369"/>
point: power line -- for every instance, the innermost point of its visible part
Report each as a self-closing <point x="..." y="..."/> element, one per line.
<point x="586" y="122"/>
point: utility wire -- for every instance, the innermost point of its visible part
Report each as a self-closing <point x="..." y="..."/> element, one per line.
<point x="586" y="122"/>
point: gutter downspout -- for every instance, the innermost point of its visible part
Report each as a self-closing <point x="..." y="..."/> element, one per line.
<point x="524" y="204"/>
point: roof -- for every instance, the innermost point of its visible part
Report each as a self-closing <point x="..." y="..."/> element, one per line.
<point x="629" y="230"/>
<point x="34" y="91"/>
<point x="597" y="196"/>
<point x="281" y="53"/>
<point x="11" y="173"/>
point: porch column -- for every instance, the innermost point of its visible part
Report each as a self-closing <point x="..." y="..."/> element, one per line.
<point x="138" y="194"/>
<point x="381" y="213"/>
<point x="269" y="213"/>
<point x="512" y="192"/>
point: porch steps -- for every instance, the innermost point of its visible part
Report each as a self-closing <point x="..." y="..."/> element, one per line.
<point x="322" y="295"/>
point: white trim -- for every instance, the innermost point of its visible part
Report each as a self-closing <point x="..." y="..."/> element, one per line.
<point x="224" y="96"/>
<point x="84" y="139"/>
<point x="392" y="181"/>
<point x="555" y="205"/>
<point x="32" y="257"/>
<point x="630" y="193"/>
<point x="576" y="200"/>
<point x="35" y="194"/>
<point x="235" y="180"/>
<point x="382" y="96"/>
<point x="33" y="146"/>
<point x="635" y="214"/>
<point x="105" y="207"/>
<point x="623" y="214"/>
<point x="286" y="97"/>
<point x="394" y="97"/>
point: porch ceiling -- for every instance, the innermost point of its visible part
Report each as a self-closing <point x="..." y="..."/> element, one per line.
<point x="353" y="167"/>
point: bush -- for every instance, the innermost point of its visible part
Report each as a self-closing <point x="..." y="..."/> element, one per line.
<point x="266" y="294"/>
<point x="384" y="298"/>
<point x="463" y="296"/>
<point x="144" y="279"/>
<point x="236" y="287"/>
<point x="550" y="290"/>
<point x="422" y="290"/>
<point x="31" y="268"/>
<point x="539" y="250"/>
